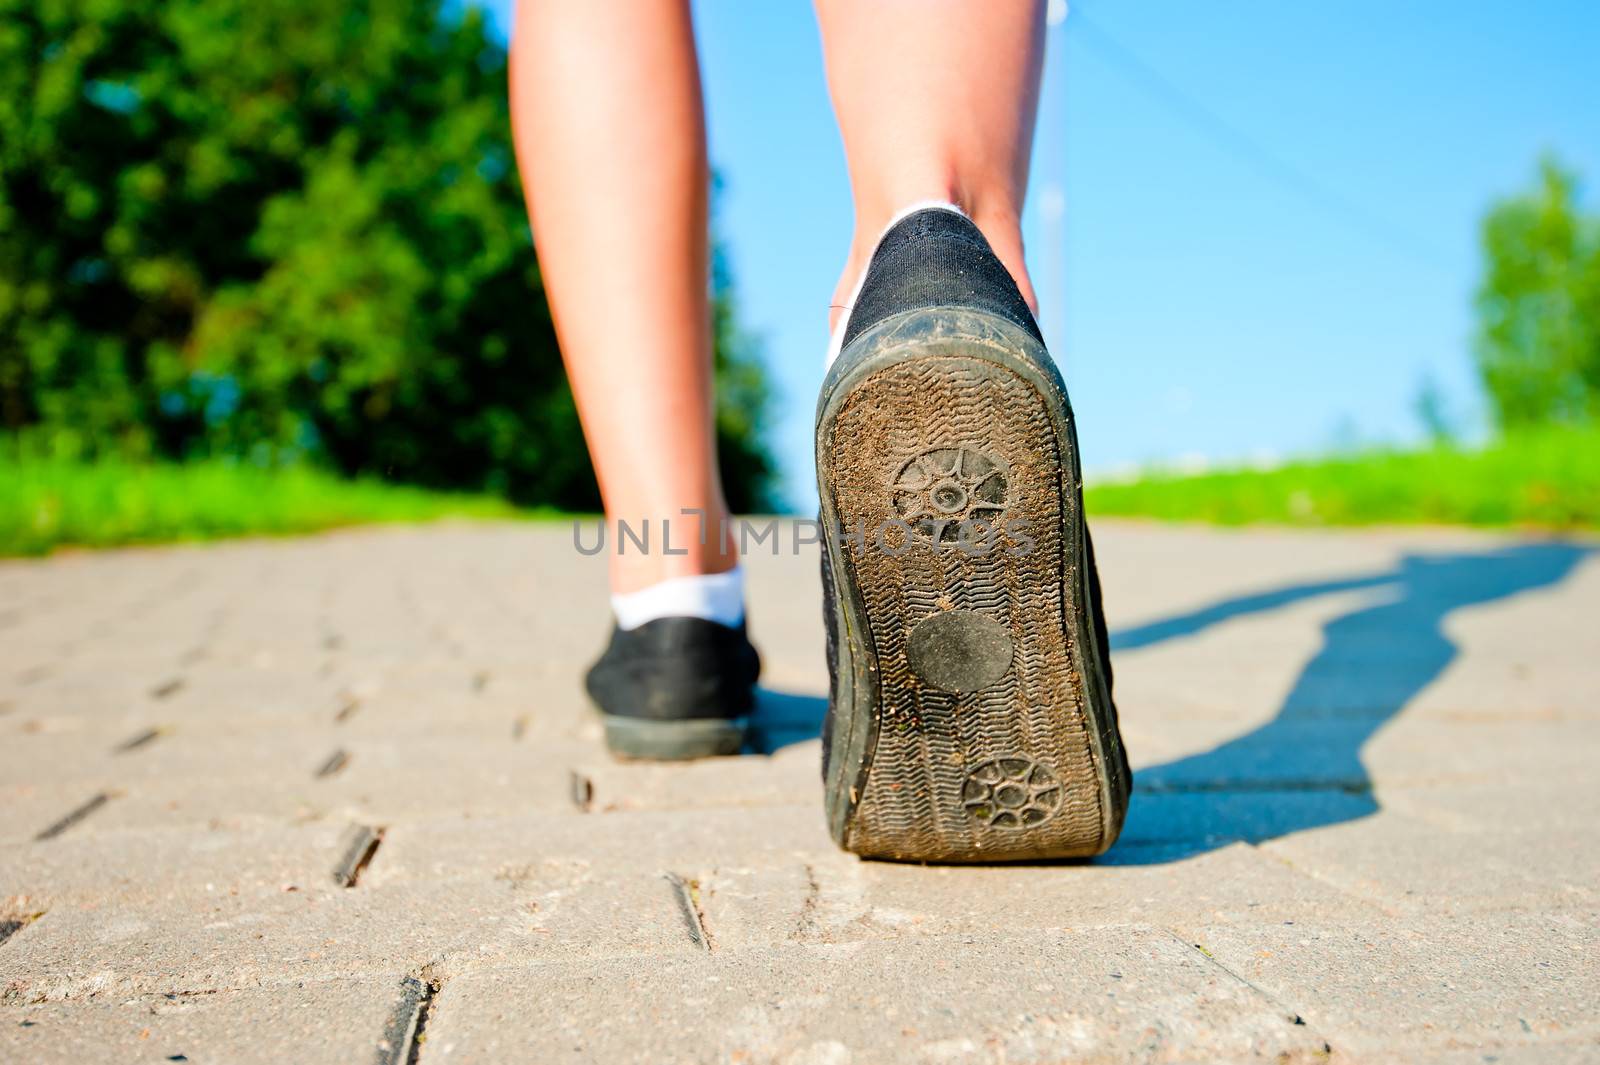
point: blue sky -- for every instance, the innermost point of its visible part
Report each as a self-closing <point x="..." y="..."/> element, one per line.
<point x="1270" y="227"/>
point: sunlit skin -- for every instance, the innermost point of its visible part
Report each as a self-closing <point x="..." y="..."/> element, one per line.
<point x="936" y="101"/>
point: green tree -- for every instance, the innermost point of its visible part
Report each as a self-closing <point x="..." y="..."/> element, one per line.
<point x="286" y="230"/>
<point x="1538" y="342"/>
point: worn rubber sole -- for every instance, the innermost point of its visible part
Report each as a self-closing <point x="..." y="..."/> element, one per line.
<point x="972" y="718"/>
<point x="671" y="741"/>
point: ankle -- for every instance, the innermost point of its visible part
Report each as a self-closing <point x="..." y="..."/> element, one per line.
<point x="997" y="217"/>
<point x="645" y="552"/>
<point x="717" y="597"/>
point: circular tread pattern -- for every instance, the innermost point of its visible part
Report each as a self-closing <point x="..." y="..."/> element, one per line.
<point x="939" y="490"/>
<point x="1011" y="792"/>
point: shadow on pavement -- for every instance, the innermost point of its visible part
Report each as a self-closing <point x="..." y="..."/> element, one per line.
<point x="1303" y="768"/>
<point x="782" y="719"/>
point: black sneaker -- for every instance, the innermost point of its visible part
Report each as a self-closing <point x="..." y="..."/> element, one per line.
<point x="971" y="717"/>
<point x="675" y="688"/>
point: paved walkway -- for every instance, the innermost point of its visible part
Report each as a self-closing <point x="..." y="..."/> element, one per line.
<point x="339" y="800"/>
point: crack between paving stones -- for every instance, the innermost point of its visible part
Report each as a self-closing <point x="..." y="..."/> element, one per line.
<point x="74" y="817"/>
<point x="334" y="764"/>
<point x="1377" y="903"/>
<point x="10" y="926"/>
<point x="361" y="848"/>
<point x="687" y="893"/>
<point x="167" y="687"/>
<point x="133" y="743"/>
<point x="1293" y="1016"/>
<point x="407" y="1029"/>
<point x="808" y="926"/>
<point x="582" y="792"/>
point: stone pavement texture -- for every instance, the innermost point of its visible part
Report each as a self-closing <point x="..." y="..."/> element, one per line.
<point x="339" y="799"/>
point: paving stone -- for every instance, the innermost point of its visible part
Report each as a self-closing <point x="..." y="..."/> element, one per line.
<point x="1507" y="685"/>
<point x="100" y="760"/>
<point x="1407" y="866"/>
<point x="146" y="865"/>
<point x="1361" y="786"/>
<point x="450" y="848"/>
<point x="1581" y="1051"/>
<point x="829" y="898"/>
<point x="1527" y="804"/>
<point x="1101" y="994"/>
<point x="1414" y="751"/>
<point x="789" y="777"/>
<point x="212" y="942"/>
<point x="240" y="801"/>
<point x="373" y="782"/>
<point x="1386" y="987"/>
<point x="332" y="1021"/>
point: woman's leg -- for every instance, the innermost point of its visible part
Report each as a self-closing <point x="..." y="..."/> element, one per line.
<point x="936" y="101"/>
<point x="984" y="729"/>
<point x="610" y="139"/>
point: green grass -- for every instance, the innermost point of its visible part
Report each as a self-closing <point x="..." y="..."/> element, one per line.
<point x="1547" y="479"/>
<point x="46" y="504"/>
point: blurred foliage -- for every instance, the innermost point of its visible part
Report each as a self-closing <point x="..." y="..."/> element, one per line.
<point x="1545" y="477"/>
<point x="1538" y="344"/>
<point x="285" y="231"/>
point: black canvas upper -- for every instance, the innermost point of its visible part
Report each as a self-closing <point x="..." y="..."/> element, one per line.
<point x="936" y="258"/>
<point x="676" y="669"/>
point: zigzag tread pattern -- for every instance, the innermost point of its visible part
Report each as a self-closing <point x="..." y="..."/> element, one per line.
<point x="930" y="741"/>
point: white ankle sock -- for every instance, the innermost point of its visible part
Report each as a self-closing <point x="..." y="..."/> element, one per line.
<point x="715" y="597"/>
<point x="836" y="342"/>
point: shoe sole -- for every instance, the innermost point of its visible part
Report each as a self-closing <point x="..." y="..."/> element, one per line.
<point x="672" y="741"/>
<point x="972" y="719"/>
